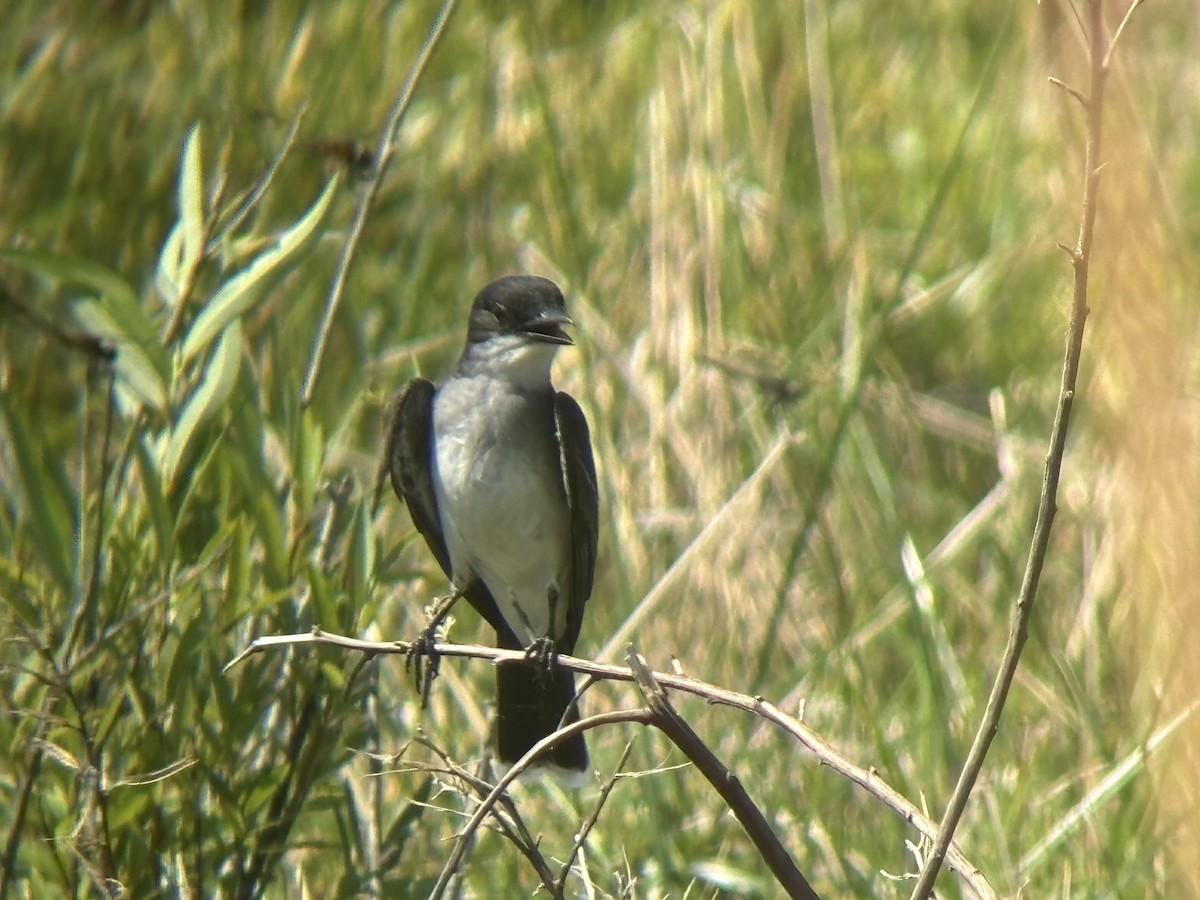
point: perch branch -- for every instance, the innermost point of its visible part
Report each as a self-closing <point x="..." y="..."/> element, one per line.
<point x="866" y="778"/>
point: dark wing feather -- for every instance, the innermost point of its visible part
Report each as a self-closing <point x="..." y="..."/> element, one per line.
<point x="410" y="463"/>
<point x="579" y="480"/>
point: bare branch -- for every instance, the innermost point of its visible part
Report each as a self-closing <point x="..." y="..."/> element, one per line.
<point x="593" y="818"/>
<point x="509" y="823"/>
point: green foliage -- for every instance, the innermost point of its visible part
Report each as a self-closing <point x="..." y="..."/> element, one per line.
<point x="832" y="225"/>
<point x="122" y="685"/>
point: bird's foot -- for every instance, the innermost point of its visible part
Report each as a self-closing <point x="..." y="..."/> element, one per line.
<point x="423" y="662"/>
<point x="543" y="654"/>
<point x="422" y="659"/>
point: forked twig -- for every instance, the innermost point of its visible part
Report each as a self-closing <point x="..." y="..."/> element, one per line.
<point x="593" y="817"/>
<point x="513" y="827"/>
<point x="465" y="836"/>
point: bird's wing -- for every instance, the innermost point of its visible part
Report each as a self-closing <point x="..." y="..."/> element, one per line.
<point x="579" y="479"/>
<point x="410" y="463"/>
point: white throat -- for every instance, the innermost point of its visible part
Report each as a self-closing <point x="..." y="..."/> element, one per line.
<point x="522" y="362"/>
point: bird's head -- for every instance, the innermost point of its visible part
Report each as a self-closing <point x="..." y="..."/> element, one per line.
<point x="516" y="327"/>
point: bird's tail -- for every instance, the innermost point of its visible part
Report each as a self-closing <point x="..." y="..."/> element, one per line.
<point x="531" y="703"/>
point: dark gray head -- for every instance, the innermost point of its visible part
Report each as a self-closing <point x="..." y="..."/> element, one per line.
<point x="519" y="305"/>
<point x="516" y="327"/>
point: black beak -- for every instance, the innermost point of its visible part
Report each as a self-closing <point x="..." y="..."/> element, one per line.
<point x="547" y="327"/>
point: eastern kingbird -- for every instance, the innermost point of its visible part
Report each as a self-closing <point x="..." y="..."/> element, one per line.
<point x="496" y="468"/>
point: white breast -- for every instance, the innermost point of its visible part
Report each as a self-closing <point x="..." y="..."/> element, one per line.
<point x="500" y="498"/>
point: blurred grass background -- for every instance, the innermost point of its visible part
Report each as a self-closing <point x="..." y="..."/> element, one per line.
<point x="833" y="226"/>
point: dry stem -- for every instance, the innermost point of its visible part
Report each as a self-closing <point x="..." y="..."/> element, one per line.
<point x="1099" y="54"/>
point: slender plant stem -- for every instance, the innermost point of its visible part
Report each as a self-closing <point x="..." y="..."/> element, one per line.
<point x="1098" y="57"/>
<point x="383" y="155"/>
<point x="581" y="835"/>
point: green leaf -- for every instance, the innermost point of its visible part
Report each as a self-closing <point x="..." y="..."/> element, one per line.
<point x="181" y="658"/>
<point x="228" y="714"/>
<point x="191" y="201"/>
<point x="184" y="246"/>
<point x="219" y="379"/>
<point x="359" y="570"/>
<point x="239" y="293"/>
<point x="136" y="374"/>
<point x="153" y="490"/>
<point x="111" y="312"/>
<point x="407" y="823"/>
<point x="128" y="810"/>
<point x="19" y="592"/>
<point x="728" y="877"/>
<point x="168" y="276"/>
<point x="322" y="600"/>
<point x="48" y="503"/>
<point x="259" y="484"/>
<point x="85" y="273"/>
<point x="238" y="570"/>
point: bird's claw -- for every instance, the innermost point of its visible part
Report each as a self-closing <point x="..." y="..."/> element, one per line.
<point x="543" y="654"/>
<point x="423" y="661"/>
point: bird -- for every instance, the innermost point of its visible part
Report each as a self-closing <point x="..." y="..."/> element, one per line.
<point x="496" y="469"/>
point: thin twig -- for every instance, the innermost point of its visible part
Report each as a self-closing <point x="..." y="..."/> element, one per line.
<point x="95" y="849"/>
<point x="260" y="188"/>
<point x="383" y="156"/>
<point x="464" y="839"/>
<point x="1112" y="45"/>
<point x="726" y="784"/>
<point x="866" y="778"/>
<point x="513" y="827"/>
<point x="1047" y="505"/>
<point x="593" y="817"/>
<point x="1059" y="83"/>
<point x="20" y="807"/>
